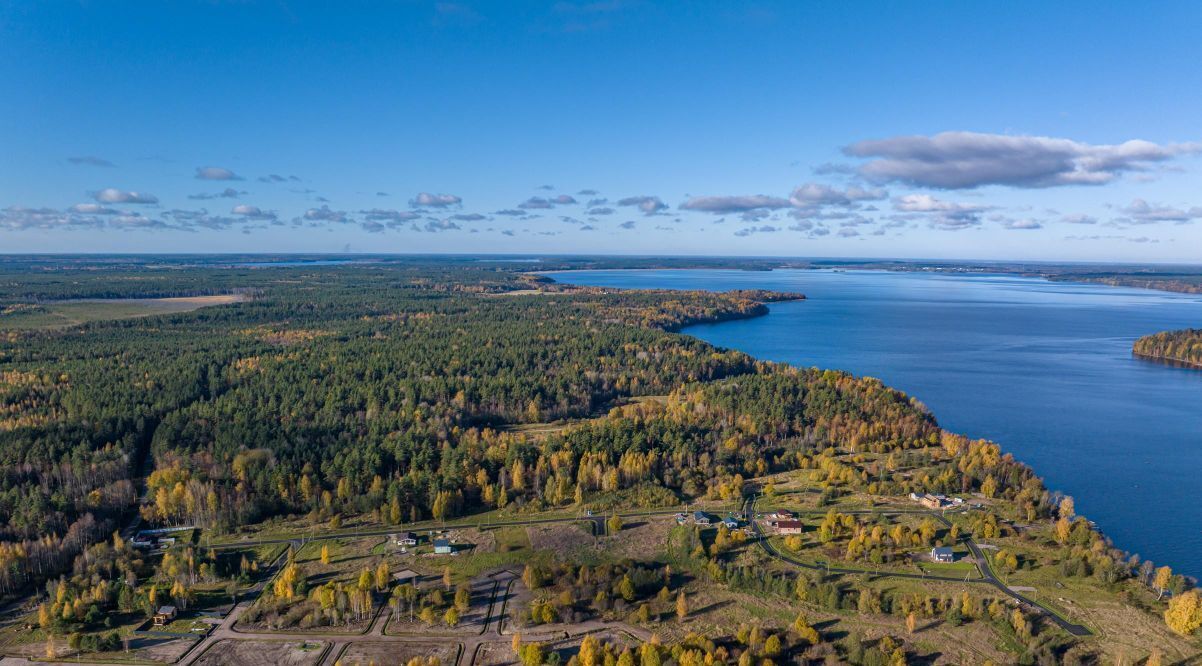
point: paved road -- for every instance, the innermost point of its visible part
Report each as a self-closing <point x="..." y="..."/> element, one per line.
<point x="988" y="576"/>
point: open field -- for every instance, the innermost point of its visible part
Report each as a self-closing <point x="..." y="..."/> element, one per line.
<point x="60" y="314"/>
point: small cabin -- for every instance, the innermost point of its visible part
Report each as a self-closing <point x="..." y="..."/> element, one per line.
<point x="788" y="526"/>
<point x="701" y="518"/>
<point x="165" y="615"/>
<point x="943" y="554"/>
<point x="443" y="547"/>
<point x="405" y="539"/>
<point x="730" y="523"/>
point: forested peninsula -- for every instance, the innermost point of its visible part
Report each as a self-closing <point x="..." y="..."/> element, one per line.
<point x="1183" y="347"/>
<point x="411" y="442"/>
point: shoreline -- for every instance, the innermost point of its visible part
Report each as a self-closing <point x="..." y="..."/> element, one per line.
<point x="1195" y="577"/>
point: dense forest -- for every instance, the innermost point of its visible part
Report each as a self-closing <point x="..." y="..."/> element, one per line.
<point x="379" y="388"/>
<point x="1183" y="346"/>
<point x="401" y="391"/>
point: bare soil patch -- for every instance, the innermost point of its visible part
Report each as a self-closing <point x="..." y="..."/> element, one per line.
<point x="263" y="653"/>
<point x="560" y="538"/>
<point x="641" y="538"/>
<point x="398" y="654"/>
<point x="495" y="654"/>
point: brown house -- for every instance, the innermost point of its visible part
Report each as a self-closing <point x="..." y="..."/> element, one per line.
<point x="788" y="526"/>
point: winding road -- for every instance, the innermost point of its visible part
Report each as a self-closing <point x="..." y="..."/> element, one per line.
<point x="988" y="576"/>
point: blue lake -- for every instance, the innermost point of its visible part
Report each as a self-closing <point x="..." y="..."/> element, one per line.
<point x="1043" y="368"/>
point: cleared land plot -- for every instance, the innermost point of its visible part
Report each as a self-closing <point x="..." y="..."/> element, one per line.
<point x="263" y="653"/>
<point x="471" y="622"/>
<point x="495" y="654"/>
<point x="61" y="314"/>
<point x="395" y="653"/>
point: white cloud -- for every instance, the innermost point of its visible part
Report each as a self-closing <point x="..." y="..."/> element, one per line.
<point x="92" y="209"/>
<point x="112" y="195"/>
<point x="1079" y="218"/>
<point x="428" y="200"/>
<point x="962" y="160"/>
<point x="817" y="195"/>
<point x="1142" y="212"/>
<point x="325" y="214"/>
<point x="940" y="214"/>
<point x="253" y="212"/>
<point x="722" y="205"/>
<point x="650" y="205"/>
<point x="216" y="173"/>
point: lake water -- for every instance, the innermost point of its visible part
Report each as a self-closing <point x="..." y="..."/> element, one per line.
<point x="1043" y="368"/>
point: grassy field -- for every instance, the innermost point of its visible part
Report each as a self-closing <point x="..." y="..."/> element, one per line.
<point x="62" y="314"/>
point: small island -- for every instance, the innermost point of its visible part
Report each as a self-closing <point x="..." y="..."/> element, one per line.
<point x="1182" y="347"/>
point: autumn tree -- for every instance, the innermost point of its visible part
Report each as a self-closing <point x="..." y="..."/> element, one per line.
<point x="614" y="524"/>
<point x="1164" y="577"/>
<point x="1184" y="614"/>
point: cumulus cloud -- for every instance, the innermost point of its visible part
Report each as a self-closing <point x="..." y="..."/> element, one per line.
<point x="388" y="216"/>
<point x="428" y="200"/>
<point x="544" y="203"/>
<point x="277" y="178"/>
<point x="723" y="205"/>
<point x="1143" y="212"/>
<point x="963" y="160"/>
<point x="17" y="218"/>
<point x="816" y="195"/>
<point x="92" y="209"/>
<point x="216" y="173"/>
<point x="325" y="214"/>
<point x="940" y="214"/>
<point x="765" y="229"/>
<point x="135" y="221"/>
<point x="600" y="210"/>
<point x="90" y="160"/>
<point x="253" y="212"/>
<point x="650" y="205"/>
<point x="435" y="226"/>
<point x="1079" y="218"/>
<point x="588" y="193"/>
<point x="628" y="224"/>
<point x="468" y="217"/>
<point x="112" y="195"/>
<point x="536" y="203"/>
<point x="1019" y="224"/>
<point x="227" y="193"/>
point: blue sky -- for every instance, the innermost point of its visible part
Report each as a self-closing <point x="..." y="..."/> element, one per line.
<point x="1006" y="130"/>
